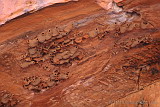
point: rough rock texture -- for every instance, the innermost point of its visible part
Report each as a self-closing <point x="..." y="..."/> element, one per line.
<point x="149" y="97"/>
<point x="81" y="55"/>
<point x="107" y="4"/>
<point x="10" y="9"/>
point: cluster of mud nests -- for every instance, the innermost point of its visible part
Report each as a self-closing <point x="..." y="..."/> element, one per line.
<point x="60" y="44"/>
<point x="37" y="84"/>
<point x="7" y="99"/>
<point x="44" y="59"/>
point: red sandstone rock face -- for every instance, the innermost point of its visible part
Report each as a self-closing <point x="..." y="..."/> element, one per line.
<point x="10" y="9"/>
<point x="107" y="4"/>
<point x="89" y="57"/>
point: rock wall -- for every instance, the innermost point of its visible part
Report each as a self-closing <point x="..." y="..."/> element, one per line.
<point x="89" y="57"/>
<point x="107" y="4"/>
<point x="10" y="9"/>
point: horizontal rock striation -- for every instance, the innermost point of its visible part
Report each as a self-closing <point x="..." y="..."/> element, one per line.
<point x="10" y="9"/>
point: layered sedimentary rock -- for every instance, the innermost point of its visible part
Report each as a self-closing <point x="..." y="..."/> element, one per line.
<point x="80" y="55"/>
<point x="10" y="9"/>
<point x="107" y="4"/>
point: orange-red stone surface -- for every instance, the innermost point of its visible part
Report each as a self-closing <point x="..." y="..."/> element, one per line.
<point x="115" y="64"/>
<point x="107" y="4"/>
<point x="10" y="9"/>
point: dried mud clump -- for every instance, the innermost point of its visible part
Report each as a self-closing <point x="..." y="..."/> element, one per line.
<point x="33" y="43"/>
<point x="27" y="64"/>
<point x="7" y="100"/>
<point x="40" y="83"/>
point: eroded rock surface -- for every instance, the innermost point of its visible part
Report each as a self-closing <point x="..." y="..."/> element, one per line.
<point x="10" y="9"/>
<point x="87" y="60"/>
